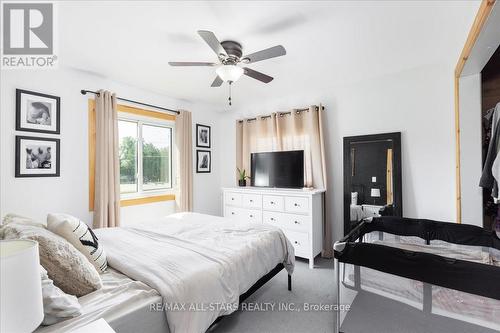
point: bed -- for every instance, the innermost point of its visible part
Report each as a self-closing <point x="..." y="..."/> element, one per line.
<point x="399" y="274"/>
<point x="122" y="302"/>
<point x="182" y="273"/>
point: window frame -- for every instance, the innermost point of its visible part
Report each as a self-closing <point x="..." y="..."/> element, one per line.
<point x="148" y="116"/>
<point x="140" y="121"/>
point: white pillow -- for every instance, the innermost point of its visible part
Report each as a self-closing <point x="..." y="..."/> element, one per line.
<point x="57" y="305"/>
<point x="354" y="198"/>
<point x="79" y="234"/>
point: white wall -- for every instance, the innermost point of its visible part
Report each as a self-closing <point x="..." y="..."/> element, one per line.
<point x="470" y="149"/>
<point x="35" y="197"/>
<point x="206" y="188"/>
<point x="417" y="102"/>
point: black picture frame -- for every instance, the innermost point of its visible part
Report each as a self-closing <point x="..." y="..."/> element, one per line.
<point x="18" y="173"/>
<point x="19" y="126"/>
<point x="200" y="144"/>
<point x="198" y="152"/>
<point x="395" y="137"/>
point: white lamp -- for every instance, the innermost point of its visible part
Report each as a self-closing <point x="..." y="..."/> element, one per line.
<point x="229" y="73"/>
<point x="375" y="193"/>
<point x="21" y="305"/>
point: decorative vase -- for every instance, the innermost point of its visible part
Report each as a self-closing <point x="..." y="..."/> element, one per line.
<point x="242" y="182"/>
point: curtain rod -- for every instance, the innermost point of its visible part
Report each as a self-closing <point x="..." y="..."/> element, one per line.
<point x="281" y="114"/>
<point x="84" y="92"/>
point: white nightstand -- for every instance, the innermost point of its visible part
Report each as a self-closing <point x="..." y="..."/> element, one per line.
<point x="99" y="325"/>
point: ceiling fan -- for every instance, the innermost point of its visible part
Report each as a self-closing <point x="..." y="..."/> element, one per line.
<point x="230" y="54"/>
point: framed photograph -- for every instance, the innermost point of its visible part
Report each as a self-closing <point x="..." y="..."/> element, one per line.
<point x="36" y="112"/>
<point x="203" y="161"/>
<point x="37" y="157"/>
<point x="202" y="136"/>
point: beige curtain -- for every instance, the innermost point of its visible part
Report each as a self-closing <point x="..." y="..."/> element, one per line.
<point x="107" y="162"/>
<point x="184" y="147"/>
<point x="294" y="130"/>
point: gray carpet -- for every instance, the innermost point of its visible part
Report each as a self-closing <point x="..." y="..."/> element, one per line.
<point x="376" y="314"/>
<point x="369" y="312"/>
<point x="311" y="286"/>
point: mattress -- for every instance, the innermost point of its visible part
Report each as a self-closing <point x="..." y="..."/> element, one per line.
<point x="124" y="303"/>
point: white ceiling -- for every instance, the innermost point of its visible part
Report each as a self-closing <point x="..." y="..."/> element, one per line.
<point x="328" y="43"/>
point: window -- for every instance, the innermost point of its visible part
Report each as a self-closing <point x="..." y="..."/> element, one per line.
<point x="156" y="157"/>
<point x="145" y="139"/>
<point x="145" y="156"/>
<point x="127" y="135"/>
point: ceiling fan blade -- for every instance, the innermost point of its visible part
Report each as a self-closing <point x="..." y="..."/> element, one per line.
<point x="213" y="42"/>
<point x="257" y="75"/>
<point x="187" y="63"/>
<point x="272" y="52"/>
<point x="217" y="82"/>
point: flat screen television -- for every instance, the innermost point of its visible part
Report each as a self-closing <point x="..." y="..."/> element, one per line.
<point x="283" y="169"/>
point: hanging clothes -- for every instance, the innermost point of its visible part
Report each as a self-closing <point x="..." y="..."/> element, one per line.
<point x="487" y="180"/>
<point x="495" y="169"/>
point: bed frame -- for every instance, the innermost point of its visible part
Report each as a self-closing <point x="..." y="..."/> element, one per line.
<point x="431" y="269"/>
<point x="262" y="281"/>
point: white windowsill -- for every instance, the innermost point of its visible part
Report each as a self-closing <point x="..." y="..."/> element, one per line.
<point x="147" y="194"/>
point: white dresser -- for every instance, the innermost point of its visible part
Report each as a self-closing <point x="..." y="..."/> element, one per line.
<point x="299" y="213"/>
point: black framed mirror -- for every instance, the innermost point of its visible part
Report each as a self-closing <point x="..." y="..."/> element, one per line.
<point x="372" y="177"/>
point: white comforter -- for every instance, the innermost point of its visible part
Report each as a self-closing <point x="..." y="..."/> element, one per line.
<point x="200" y="262"/>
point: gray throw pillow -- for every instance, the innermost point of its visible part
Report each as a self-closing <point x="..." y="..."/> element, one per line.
<point x="66" y="266"/>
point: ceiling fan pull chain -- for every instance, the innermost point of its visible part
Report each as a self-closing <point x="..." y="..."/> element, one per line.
<point x="230" y="92"/>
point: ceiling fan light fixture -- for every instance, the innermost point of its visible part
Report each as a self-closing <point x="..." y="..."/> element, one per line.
<point x="229" y="73"/>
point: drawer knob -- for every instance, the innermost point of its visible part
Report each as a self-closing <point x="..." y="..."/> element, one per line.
<point x="232" y="199"/>
<point x="251" y="215"/>
<point x="232" y="213"/>
<point x="296" y="204"/>
<point x="295" y="242"/>
<point x="251" y="200"/>
<point x="272" y="202"/>
<point x="272" y="218"/>
<point x="297" y="222"/>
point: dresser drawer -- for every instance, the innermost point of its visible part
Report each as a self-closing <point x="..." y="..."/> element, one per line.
<point x="251" y="201"/>
<point x="233" y="199"/>
<point x="299" y="222"/>
<point x="300" y="242"/>
<point x="250" y="215"/>
<point x="297" y="205"/>
<point x="231" y="212"/>
<point x="243" y="215"/>
<point x="272" y="202"/>
<point x="275" y="219"/>
<point x="287" y="221"/>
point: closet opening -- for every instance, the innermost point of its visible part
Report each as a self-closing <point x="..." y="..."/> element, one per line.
<point x="490" y="108"/>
